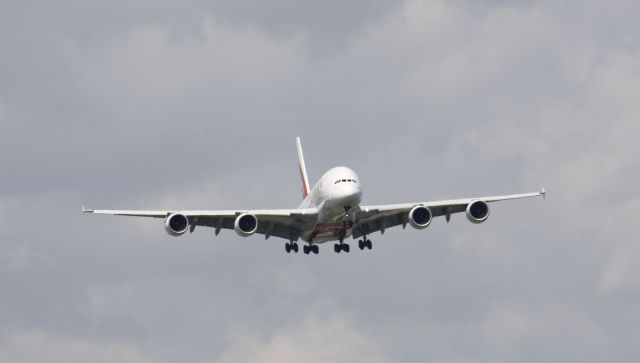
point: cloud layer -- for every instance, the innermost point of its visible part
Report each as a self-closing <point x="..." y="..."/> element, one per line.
<point x="195" y="105"/>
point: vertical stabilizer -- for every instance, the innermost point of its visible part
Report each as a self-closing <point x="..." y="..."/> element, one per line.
<point x="303" y="170"/>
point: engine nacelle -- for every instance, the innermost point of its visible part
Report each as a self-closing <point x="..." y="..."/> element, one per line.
<point x="477" y="211"/>
<point x="176" y="224"/>
<point x="420" y="217"/>
<point x="246" y="224"/>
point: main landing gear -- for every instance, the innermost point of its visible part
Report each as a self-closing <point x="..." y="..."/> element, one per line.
<point x="291" y="246"/>
<point x="365" y="243"/>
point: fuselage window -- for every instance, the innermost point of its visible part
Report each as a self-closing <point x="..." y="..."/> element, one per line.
<point x="344" y="180"/>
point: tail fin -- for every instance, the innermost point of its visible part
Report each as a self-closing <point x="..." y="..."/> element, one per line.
<point x="303" y="170"/>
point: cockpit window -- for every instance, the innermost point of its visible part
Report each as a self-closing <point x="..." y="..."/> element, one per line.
<point x="345" y="181"/>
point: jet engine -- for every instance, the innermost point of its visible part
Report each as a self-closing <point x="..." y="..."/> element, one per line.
<point x="477" y="211"/>
<point x="420" y="217"/>
<point x="176" y="224"/>
<point x="246" y="224"/>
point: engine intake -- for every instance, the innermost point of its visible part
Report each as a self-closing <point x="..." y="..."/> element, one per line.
<point x="420" y="217"/>
<point x="246" y="224"/>
<point x="176" y="224"/>
<point x="477" y="211"/>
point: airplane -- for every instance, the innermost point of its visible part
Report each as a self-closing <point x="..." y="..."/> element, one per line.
<point x="330" y="211"/>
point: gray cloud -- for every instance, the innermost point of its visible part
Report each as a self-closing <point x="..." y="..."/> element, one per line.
<point x="196" y="104"/>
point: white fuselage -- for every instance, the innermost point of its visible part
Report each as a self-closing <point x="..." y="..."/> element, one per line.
<point x="336" y="195"/>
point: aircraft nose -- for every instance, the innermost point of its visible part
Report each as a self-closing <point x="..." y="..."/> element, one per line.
<point x="349" y="196"/>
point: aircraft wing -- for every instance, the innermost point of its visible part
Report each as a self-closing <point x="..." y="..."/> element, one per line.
<point x="376" y="218"/>
<point x="284" y="223"/>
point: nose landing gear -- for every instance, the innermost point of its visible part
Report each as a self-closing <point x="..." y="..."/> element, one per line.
<point x="365" y="243"/>
<point x="341" y="247"/>
<point x="347" y="224"/>
<point x="291" y="246"/>
<point x="310" y="248"/>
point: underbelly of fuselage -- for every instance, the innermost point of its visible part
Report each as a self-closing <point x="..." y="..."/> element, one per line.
<point x="333" y="225"/>
<point x="337" y="210"/>
<point x="330" y="231"/>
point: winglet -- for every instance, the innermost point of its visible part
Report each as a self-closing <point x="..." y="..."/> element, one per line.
<point x="86" y="210"/>
<point x="543" y="193"/>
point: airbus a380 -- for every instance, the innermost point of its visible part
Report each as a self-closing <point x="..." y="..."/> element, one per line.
<point x="330" y="211"/>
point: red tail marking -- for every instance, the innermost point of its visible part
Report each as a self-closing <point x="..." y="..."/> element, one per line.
<point x="305" y="187"/>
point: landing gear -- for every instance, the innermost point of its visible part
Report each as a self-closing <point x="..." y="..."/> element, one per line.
<point x="346" y="224"/>
<point x="341" y="247"/>
<point x="311" y="248"/>
<point x="291" y="246"/>
<point x="365" y="243"/>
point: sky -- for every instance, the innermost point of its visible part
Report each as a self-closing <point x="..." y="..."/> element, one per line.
<point x="196" y="104"/>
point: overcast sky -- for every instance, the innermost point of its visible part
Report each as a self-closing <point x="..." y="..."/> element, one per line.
<point x="196" y="104"/>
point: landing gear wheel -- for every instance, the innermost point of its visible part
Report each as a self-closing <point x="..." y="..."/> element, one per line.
<point x="337" y="248"/>
<point x="369" y="244"/>
<point x="306" y="249"/>
<point x="287" y="247"/>
<point x="345" y="248"/>
<point x="315" y="249"/>
<point x="294" y="247"/>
